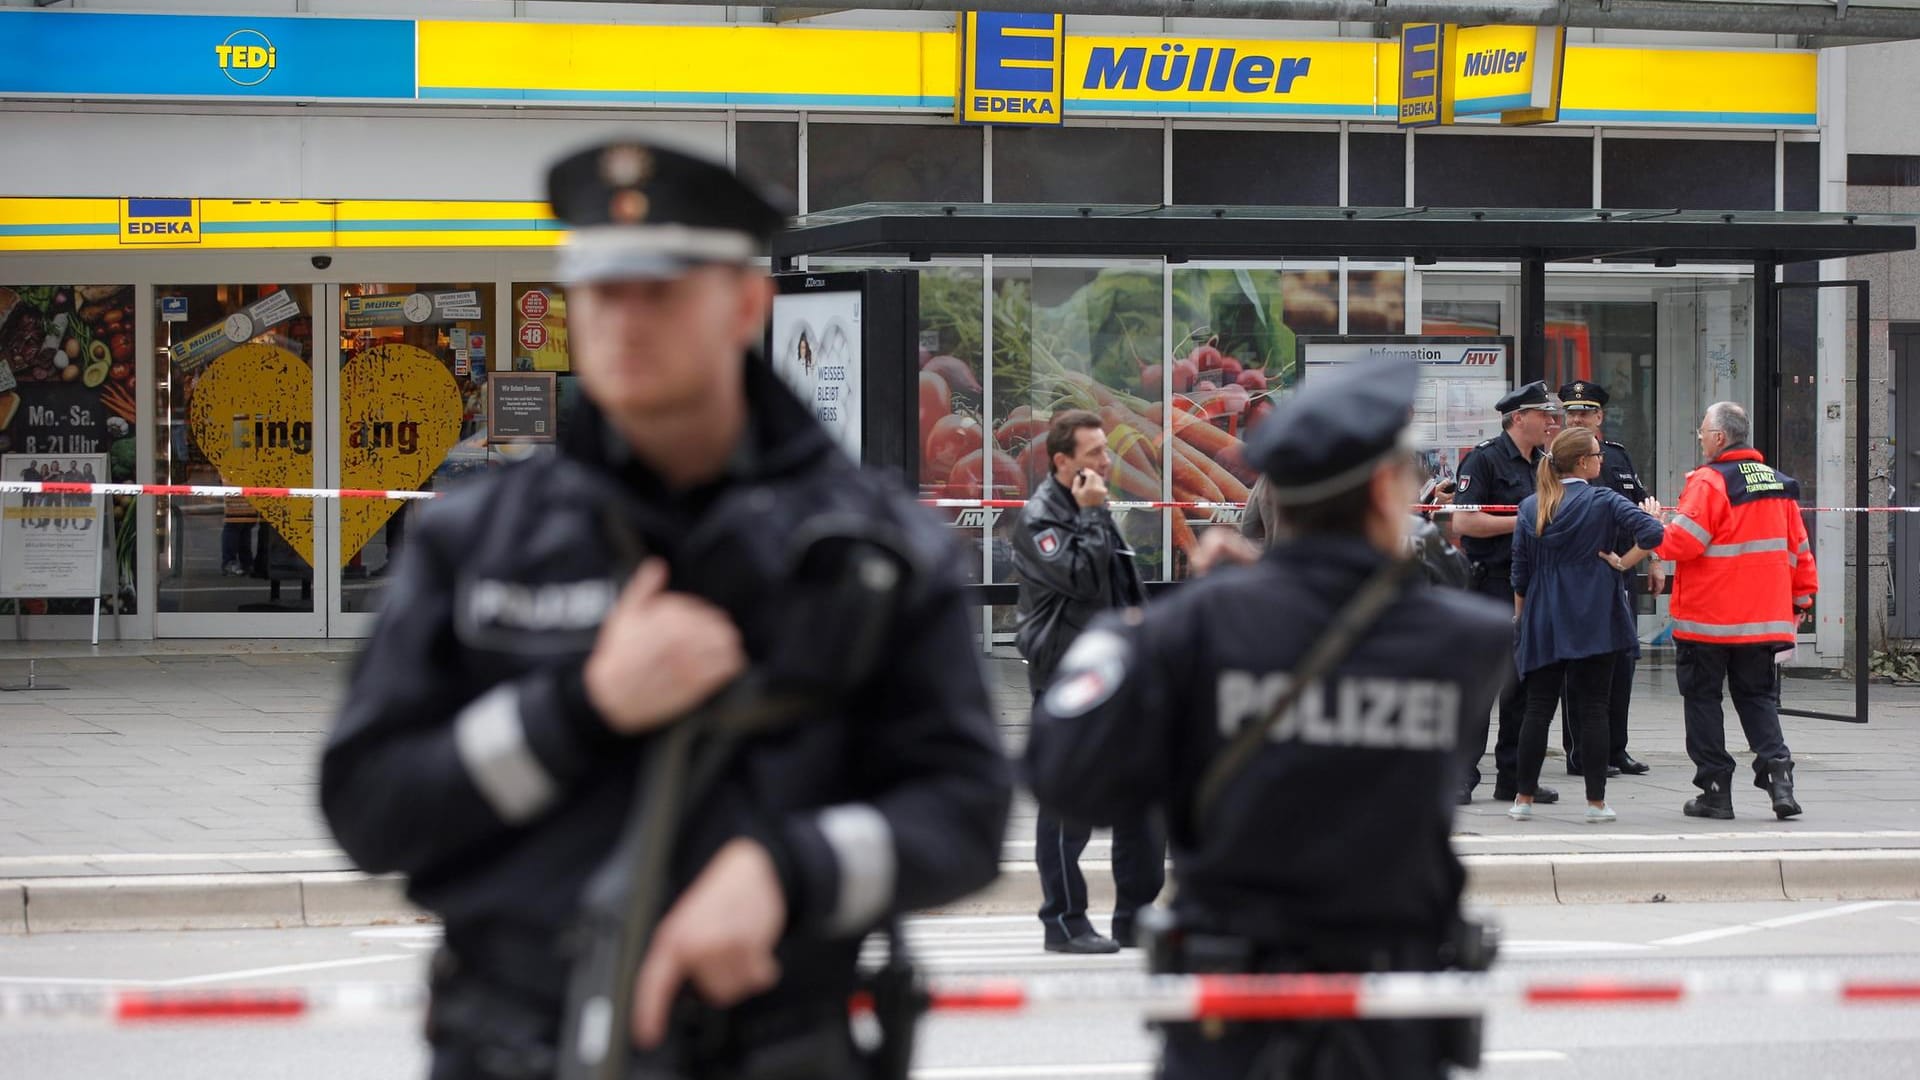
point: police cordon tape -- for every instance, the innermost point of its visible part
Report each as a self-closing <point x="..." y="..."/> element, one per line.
<point x="1163" y="998"/>
<point x="217" y="491"/>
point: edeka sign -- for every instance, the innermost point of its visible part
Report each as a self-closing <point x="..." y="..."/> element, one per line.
<point x="1162" y="75"/>
<point x="93" y="54"/>
<point x="159" y="221"/>
<point x="1010" y="68"/>
<point x="1420" y="74"/>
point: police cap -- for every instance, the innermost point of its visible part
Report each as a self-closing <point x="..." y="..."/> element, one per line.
<point x="1531" y="396"/>
<point x="1328" y="437"/>
<point x="636" y="210"/>
<point x="1582" y="395"/>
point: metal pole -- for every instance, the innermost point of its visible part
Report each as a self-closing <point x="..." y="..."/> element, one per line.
<point x="1533" y="320"/>
<point x="1862" y="625"/>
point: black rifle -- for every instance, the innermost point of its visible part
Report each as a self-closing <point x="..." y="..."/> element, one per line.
<point x="859" y="572"/>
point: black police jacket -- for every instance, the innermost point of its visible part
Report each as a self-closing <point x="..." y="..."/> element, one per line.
<point x="1340" y="824"/>
<point x="1072" y="565"/>
<point x="467" y="757"/>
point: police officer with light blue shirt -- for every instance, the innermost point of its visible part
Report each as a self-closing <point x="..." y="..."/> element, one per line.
<point x="1323" y="845"/>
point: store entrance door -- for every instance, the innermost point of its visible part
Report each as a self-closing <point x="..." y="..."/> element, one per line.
<point x="238" y="406"/>
<point x="405" y="409"/>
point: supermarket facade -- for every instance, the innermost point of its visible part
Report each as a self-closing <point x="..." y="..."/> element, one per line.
<point x="278" y="249"/>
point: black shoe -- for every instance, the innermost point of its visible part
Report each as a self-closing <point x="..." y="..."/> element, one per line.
<point x="1628" y="764"/>
<point x="1542" y="795"/>
<point x="1778" y="782"/>
<point x="1086" y="943"/>
<point x="1466" y="796"/>
<point x="1710" y="804"/>
<point x="1124" y="936"/>
<point x="1575" y="770"/>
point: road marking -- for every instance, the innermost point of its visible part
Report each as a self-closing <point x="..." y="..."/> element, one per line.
<point x="283" y="969"/>
<point x="1145" y="1068"/>
<point x="1614" y="837"/>
<point x="1719" y="932"/>
<point x="1539" y="948"/>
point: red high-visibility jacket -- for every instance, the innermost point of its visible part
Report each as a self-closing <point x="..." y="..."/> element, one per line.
<point x="1743" y="562"/>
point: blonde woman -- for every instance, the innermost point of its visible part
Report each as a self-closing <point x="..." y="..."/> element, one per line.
<point x="1573" y="614"/>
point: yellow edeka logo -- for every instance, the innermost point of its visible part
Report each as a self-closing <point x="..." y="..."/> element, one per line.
<point x="246" y="57"/>
<point x="1420" y="67"/>
<point x="159" y="221"/>
<point x="1011" y="68"/>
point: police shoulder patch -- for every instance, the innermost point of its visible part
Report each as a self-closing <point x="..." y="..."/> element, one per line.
<point x="1094" y="667"/>
<point x="1049" y="543"/>
<point x="1465" y="483"/>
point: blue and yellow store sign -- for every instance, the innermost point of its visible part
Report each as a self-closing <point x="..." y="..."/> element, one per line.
<point x="997" y="68"/>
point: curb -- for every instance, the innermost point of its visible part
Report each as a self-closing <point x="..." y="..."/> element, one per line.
<point x="346" y="898"/>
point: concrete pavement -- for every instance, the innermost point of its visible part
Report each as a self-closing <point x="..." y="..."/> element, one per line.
<point x="173" y="784"/>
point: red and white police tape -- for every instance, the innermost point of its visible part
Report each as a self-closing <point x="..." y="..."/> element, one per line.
<point x="1166" y="998"/>
<point x="216" y="491"/>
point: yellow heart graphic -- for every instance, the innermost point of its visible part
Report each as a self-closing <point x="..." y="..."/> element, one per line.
<point x="400" y="413"/>
<point x="251" y="414"/>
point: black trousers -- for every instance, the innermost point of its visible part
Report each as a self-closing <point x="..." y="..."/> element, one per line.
<point x="1506" y="753"/>
<point x="1399" y="1049"/>
<point x="1586" y="681"/>
<point x="1749" y="671"/>
<point x="1619" y="700"/>
<point x="1139" y="870"/>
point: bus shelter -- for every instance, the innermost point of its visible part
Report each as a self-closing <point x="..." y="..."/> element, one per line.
<point x="1807" y="335"/>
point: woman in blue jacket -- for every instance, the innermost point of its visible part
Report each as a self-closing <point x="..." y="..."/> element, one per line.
<point x="1573" y="614"/>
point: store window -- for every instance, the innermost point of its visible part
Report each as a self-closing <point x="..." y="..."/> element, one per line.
<point x="1613" y="343"/>
<point x="413" y="411"/>
<point x="235" y="400"/>
<point x="1376" y="169"/>
<point x="1502" y="170"/>
<point x="1688" y="174"/>
<point x="1255" y="168"/>
<point x="1802" y="176"/>
<point x="1376" y="301"/>
<point x="66" y="414"/>
<point x="1078" y="165"/>
<point x="768" y="155"/>
<point x="856" y="163"/>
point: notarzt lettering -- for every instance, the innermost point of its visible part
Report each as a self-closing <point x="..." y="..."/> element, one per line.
<point x="1371" y="713"/>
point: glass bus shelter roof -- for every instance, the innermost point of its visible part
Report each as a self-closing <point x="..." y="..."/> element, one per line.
<point x="1178" y="233"/>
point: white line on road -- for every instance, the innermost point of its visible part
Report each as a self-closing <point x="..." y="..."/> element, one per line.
<point x="1145" y="1068"/>
<point x="283" y="969"/>
<point x="1719" y="932"/>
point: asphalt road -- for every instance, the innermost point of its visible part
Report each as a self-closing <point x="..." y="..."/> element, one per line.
<point x="1723" y="1039"/>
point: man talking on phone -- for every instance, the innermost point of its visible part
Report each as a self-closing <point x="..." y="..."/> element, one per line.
<point x="1073" y="565"/>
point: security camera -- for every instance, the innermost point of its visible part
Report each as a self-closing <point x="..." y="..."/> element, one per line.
<point x="321" y="262"/>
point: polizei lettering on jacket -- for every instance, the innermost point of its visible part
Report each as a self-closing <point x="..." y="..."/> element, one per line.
<point x="1171" y="67"/>
<point x="1367" y="712"/>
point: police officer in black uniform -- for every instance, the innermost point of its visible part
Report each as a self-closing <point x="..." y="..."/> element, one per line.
<point x="1327" y="848"/>
<point x="1501" y="472"/>
<point x="1586" y="404"/>
<point x="549" y="624"/>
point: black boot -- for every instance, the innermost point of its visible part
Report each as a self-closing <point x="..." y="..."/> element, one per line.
<point x="1715" y="802"/>
<point x="1778" y="782"/>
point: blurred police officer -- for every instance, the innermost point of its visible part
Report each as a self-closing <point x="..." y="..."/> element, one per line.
<point x="1321" y="842"/>
<point x="1586" y="406"/>
<point x="1073" y="565"/>
<point x="1501" y="472"/>
<point x="489" y="742"/>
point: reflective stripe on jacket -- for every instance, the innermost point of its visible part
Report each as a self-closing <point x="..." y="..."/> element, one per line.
<point x="1743" y="560"/>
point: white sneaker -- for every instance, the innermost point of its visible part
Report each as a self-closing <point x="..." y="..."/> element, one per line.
<point x="1520" y="811"/>
<point x="1600" y="815"/>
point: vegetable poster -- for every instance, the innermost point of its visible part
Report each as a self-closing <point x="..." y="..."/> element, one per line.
<point x="66" y="390"/>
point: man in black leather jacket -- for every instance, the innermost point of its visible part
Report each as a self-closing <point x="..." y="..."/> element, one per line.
<point x="548" y="624"/>
<point x="1073" y="565"/>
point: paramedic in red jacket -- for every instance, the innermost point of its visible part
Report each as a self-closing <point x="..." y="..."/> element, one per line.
<point x="1744" y="573"/>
